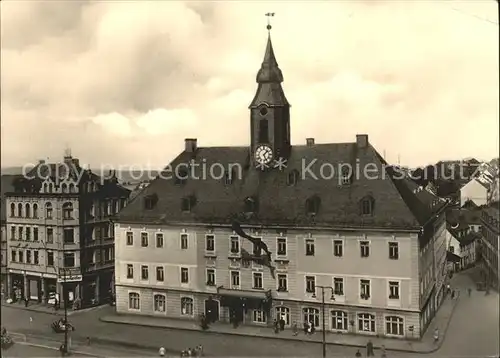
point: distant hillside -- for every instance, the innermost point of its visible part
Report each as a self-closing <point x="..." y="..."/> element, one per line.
<point x="124" y="176"/>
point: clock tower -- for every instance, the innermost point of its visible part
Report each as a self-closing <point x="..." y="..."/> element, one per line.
<point x="269" y="113"/>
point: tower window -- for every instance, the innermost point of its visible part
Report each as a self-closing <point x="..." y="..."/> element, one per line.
<point x="367" y="205"/>
<point x="263" y="111"/>
<point x="263" y="131"/>
<point x="312" y="205"/>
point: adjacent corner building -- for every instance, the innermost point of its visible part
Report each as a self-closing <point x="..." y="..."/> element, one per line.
<point x="374" y="243"/>
<point x="59" y="234"/>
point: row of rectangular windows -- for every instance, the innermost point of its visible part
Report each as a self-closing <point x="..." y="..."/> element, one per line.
<point x="281" y="243"/>
<point x="24" y="233"/>
<point x="67" y="211"/>
<point x="17" y="256"/>
<point x="282" y="281"/>
<point x="339" y="320"/>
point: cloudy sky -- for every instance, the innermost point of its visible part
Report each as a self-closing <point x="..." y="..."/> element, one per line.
<point x="126" y="82"/>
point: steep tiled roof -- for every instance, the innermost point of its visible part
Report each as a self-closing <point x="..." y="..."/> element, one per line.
<point x="214" y="202"/>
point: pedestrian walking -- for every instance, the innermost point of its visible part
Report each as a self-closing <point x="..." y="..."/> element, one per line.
<point x="161" y="352"/>
<point x="26" y="301"/>
<point x="282" y="323"/>
<point x="31" y="320"/>
<point x="369" y="349"/>
<point x="295" y="329"/>
<point x="200" y="350"/>
<point x="469" y="290"/>
<point x="88" y="341"/>
<point x="436" y="335"/>
<point x="383" y="354"/>
<point x="62" y="349"/>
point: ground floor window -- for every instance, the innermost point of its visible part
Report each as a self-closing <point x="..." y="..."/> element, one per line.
<point x="311" y="315"/>
<point x="160" y="303"/>
<point x="187" y="306"/>
<point x="339" y="320"/>
<point x="366" y="322"/>
<point x="259" y="316"/>
<point x="283" y="313"/>
<point x="394" y="325"/>
<point x="133" y="301"/>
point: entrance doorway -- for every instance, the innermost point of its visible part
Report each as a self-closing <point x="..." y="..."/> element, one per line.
<point x="283" y="313"/>
<point x="236" y="315"/>
<point x="212" y="310"/>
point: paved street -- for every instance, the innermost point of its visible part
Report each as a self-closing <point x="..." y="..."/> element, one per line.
<point x="473" y="332"/>
<point x="18" y="350"/>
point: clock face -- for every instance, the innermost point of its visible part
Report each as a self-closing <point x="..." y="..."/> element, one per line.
<point x="263" y="154"/>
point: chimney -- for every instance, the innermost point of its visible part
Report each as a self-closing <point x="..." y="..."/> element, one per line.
<point x="309" y="142"/>
<point x="190" y="145"/>
<point x="362" y="140"/>
<point x="41" y="161"/>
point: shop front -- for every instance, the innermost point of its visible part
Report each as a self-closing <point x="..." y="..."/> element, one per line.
<point x="17" y="287"/>
<point x="34" y="288"/>
<point x="245" y="307"/>
<point x="70" y="279"/>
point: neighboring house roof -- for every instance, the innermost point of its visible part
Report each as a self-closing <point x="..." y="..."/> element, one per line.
<point x="460" y="219"/>
<point x="469" y="238"/>
<point x="469" y="204"/>
<point x="451" y="257"/>
<point x="34" y="178"/>
<point x="395" y="205"/>
<point x="7" y="185"/>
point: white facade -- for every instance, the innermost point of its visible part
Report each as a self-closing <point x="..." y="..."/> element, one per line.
<point x="474" y="191"/>
<point x="466" y="253"/>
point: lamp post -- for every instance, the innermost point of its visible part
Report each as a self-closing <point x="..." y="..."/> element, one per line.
<point x="65" y="297"/>
<point x="323" y="289"/>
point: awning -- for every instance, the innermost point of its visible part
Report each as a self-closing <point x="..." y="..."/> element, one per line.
<point x="451" y="257"/>
<point x="260" y="295"/>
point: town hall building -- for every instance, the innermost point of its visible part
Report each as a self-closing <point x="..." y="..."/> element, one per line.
<point x="373" y="245"/>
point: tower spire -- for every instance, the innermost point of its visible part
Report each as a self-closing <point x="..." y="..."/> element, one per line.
<point x="269" y="71"/>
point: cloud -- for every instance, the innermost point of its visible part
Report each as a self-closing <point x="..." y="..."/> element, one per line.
<point x="125" y="82"/>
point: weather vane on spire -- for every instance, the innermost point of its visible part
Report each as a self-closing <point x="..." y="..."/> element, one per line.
<point x="269" y="15"/>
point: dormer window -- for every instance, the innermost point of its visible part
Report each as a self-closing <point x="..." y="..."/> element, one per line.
<point x="150" y="201"/>
<point x="250" y="205"/>
<point x="345" y="176"/>
<point x="312" y="205"/>
<point x="181" y="176"/>
<point x="367" y="205"/>
<point x="293" y="178"/>
<point x="188" y="203"/>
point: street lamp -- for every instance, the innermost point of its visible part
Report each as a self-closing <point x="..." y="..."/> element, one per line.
<point x="65" y="297"/>
<point x="323" y="289"/>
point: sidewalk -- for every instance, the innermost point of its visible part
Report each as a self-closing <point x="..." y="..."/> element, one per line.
<point x="81" y="348"/>
<point x="46" y="308"/>
<point x="425" y="345"/>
